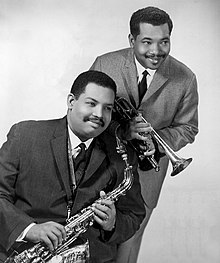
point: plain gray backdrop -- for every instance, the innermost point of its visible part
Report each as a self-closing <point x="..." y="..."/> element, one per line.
<point x="45" y="44"/>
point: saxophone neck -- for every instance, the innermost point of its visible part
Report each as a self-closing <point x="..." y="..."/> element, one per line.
<point x="121" y="149"/>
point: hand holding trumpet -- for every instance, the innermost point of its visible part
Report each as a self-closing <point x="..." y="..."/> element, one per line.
<point x="135" y="129"/>
<point x="141" y="131"/>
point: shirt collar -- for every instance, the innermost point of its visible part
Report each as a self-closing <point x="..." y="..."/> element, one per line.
<point x="75" y="141"/>
<point x="141" y="69"/>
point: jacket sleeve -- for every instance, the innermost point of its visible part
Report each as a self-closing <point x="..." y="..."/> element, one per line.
<point x="12" y="220"/>
<point x="96" y="65"/>
<point x="184" y="126"/>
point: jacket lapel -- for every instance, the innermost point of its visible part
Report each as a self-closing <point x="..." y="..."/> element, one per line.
<point x="59" y="146"/>
<point x="160" y="78"/>
<point x="130" y="77"/>
<point x="96" y="159"/>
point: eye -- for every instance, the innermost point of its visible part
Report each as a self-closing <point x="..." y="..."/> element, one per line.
<point x="165" y="42"/>
<point x="147" y="42"/>
<point x="91" y="103"/>
<point x="108" y="108"/>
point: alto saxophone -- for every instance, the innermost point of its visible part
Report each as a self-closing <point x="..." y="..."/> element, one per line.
<point x="78" y="223"/>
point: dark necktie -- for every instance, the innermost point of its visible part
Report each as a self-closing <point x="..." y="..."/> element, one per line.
<point x="142" y="86"/>
<point x="80" y="162"/>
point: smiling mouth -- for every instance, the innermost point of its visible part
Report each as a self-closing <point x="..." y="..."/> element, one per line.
<point x="97" y="123"/>
<point x="154" y="60"/>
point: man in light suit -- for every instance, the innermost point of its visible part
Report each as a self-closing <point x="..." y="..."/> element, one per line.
<point x="170" y="102"/>
<point x="40" y="188"/>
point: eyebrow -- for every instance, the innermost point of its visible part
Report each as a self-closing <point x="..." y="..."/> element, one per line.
<point x="110" y="104"/>
<point x="148" y="38"/>
<point x="165" y="38"/>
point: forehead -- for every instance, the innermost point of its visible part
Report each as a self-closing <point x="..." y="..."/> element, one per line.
<point x="151" y="31"/>
<point x="99" y="93"/>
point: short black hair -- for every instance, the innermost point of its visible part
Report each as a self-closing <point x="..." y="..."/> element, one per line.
<point x="92" y="76"/>
<point x="151" y="15"/>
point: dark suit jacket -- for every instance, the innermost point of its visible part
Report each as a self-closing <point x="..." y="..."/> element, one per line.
<point x="170" y="105"/>
<point x="34" y="185"/>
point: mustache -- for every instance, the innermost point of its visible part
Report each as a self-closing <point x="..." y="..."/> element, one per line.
<point x="95" y="120"/>
<point x="155" y="56"/>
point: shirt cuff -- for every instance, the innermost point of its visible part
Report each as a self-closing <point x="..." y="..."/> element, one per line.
<point x="23" y="234"/>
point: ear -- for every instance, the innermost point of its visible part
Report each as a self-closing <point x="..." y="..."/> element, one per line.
<point x="70" y="100"/>
<point x="131" y="40"/>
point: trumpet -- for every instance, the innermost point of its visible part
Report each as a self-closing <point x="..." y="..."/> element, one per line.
<point x="127" y="112"/>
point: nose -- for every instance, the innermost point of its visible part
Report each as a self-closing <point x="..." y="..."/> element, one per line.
<point x="154" y="49"/>
<point x="98" y="111"/>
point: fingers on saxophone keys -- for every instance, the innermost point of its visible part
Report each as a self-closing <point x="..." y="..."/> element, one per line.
<point x="100" y="217"/>
<point x="100" y="212"/>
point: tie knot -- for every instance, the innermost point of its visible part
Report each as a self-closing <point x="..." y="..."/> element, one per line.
<point x="145" y="73"/>
<point x="82" y="151"/>
<point x="82" y="146"/>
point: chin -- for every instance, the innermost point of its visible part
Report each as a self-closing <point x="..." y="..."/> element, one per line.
<point x="93" y="133"/>
<point x="154" y="67"/>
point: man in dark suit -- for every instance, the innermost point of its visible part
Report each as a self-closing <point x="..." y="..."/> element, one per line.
<point x="169" y="102"/>
<point x="40" y="187"/>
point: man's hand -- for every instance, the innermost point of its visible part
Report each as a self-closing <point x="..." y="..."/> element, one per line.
<point x="105" y="213"/>
<point x="141" y="131"/>
<point x="51" y="233"/>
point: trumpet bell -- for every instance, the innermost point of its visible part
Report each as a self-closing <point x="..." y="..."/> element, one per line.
<point x="180" y="165"/>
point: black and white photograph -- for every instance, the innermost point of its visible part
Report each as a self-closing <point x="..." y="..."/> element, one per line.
<point x="109" y="142"/>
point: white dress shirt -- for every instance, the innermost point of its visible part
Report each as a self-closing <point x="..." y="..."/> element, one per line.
<point x="141" y="69"/>
<point x="75" y="141"/>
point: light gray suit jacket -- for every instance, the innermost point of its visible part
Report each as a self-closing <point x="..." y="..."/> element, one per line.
<point x="170" y="105"/>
